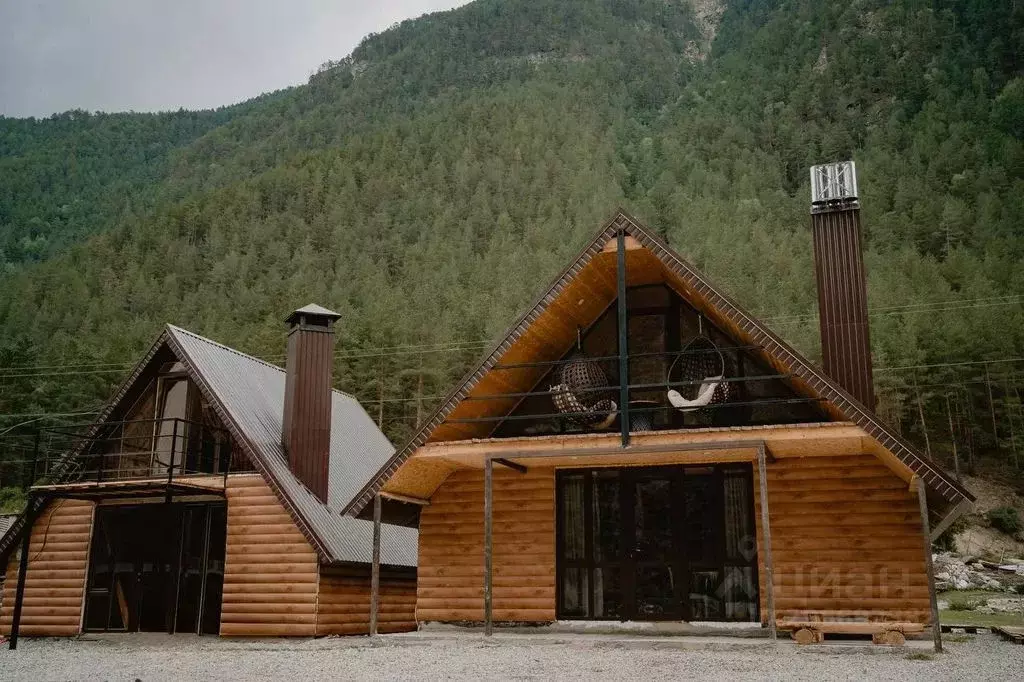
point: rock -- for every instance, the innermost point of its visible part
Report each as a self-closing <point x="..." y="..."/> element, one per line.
<point x="961" y="584"/>
<point x="993" y="584"/>
<point x="944" y="576"/>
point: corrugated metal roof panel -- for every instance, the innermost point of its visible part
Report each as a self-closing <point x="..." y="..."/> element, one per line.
<point x="251" y="392"/>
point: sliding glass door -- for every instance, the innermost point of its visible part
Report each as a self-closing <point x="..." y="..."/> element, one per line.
<point x="657" y="543"/>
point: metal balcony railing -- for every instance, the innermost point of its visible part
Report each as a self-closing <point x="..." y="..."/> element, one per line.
<point x="129" y="450"/>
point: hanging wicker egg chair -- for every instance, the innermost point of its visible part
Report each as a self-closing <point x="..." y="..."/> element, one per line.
<point x="700" y="368"/>
<point x="582" y="393"/>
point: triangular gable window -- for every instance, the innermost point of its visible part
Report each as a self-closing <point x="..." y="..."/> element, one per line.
<point x="161" y="425"/>
<point x="672" y="346"/>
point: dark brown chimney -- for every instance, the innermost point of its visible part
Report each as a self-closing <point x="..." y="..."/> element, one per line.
<point x="842" y="286"/>
<point x="306" y="429"/>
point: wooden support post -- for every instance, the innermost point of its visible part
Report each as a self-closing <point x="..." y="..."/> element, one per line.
<point x="19" y="594"/>
<point x="488" y="545"/>
<point x="623" y="340"/>
<point x="1009" y="420"/>
<point x="375" y="567"/>
<point x="762" y="478"/>
<point x="922" y="500"/>
<point x="920" y="414"/>
<point x="952" y="435"/>
<point x="29" y="481"/>
<point x="992" y="409"/>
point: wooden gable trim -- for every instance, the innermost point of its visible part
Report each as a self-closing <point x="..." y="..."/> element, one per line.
<point x="8" y="541"/>
<point x="844" y="406"/>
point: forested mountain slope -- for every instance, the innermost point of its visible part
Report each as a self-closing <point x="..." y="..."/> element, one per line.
<point x="427" y="185"/>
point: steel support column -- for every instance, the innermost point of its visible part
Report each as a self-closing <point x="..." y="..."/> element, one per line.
<point x="922" y="501"/>
<point x="375" y="567"/>
<point x="769" y="581"/>
<point x="19" y="595"/>
<point x="623" y="341"/>
<point x="488" y="545"/>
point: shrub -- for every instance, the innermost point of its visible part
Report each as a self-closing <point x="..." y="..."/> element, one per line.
<point x="1005" y="519"/>
<point x="965" y="603"/>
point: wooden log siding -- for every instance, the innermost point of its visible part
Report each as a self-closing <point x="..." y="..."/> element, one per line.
<point x="55" y="583"/>
<point x="450" y="581"/>
<point x="846" y="542"/>
<point x="344" y="604"/>
<point x="271" y="572"/>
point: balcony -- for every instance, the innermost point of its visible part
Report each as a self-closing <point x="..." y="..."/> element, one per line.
<point x="165" y="450"/>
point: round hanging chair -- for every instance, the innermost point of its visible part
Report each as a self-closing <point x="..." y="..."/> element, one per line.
<point x="582" y="393"/>
<point x="700" y="367"/>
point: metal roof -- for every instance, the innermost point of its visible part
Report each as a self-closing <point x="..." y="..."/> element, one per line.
<point x="249" y="395"/>
<point x="6" y="521"/>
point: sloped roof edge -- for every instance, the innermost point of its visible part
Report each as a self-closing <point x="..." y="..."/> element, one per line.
<point x="933" y="476"/>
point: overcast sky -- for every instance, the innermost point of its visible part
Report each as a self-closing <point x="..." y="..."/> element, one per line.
<point x="150" y="55"/>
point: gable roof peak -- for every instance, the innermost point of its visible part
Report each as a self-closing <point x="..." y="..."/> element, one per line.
<point x="686" y="275"/>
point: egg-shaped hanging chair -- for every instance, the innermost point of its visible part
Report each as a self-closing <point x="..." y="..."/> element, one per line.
<point x="582" y="393"/>
<point x="696" y="377"/>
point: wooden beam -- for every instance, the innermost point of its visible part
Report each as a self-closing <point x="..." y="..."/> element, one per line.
<point x="769" y="581"/>
<point x="948" y="520"/>
<point x="375" y="567"/>
<point x="510" y="464"/>
<point x="488" y="545"/>
<point x="637" y="450"/>
<point x="922" y="500"/>
<point x="408" y="499"/>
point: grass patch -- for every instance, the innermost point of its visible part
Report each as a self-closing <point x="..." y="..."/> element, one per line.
<point x="983" y="619"/>
<point x="970" y="616"/>
<point x="958" y="639"/>
<point x="919" y="656"/>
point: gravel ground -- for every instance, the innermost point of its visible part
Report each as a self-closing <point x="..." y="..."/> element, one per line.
<point x="145" y="657"/>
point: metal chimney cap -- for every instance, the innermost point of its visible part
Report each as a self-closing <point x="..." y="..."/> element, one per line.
<point x="834" y="186"/>
<point x="310" y="312"/>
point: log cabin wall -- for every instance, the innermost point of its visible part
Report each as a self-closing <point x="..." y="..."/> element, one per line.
<point x="344" y="603"/>
<point x="451" y="562"/>
<point x="846" y="541"/>
<point x="55" y="583"/>
<point x="271" y="572"/>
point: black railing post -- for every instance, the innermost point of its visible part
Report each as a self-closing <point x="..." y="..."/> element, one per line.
<point x="19" y="594"/>
<point x="623" y="345"/>
<point x="170" y="461"/>
<point x="99" y="466"/>
<point x="227" y="466"/>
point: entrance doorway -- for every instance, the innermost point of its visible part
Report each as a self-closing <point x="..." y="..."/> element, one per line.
<point x="156" y="568"/>
<point x="657" y="543"/>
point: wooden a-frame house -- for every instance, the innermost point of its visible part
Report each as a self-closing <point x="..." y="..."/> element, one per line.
<point x="206" y="498"/>
<point x="762" y="491"/>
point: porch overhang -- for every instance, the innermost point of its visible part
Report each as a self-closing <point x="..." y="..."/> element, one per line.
<point x="432" y="463"/>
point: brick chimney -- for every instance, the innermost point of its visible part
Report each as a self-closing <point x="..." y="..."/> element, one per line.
<point x="306" y="429"/>
<point x="842" y="286"/>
